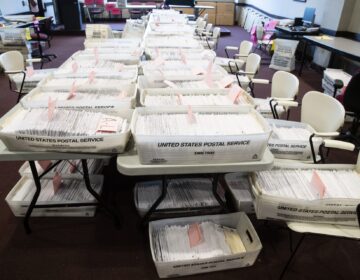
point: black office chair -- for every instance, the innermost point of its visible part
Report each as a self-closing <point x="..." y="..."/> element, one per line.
<point x="351" y="102"/>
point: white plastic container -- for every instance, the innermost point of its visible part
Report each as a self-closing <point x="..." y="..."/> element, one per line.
<point x="19" y="208"/>
<point x="239" y="221"/>
<point x="104" y="143"/>
<point x="328" y="211"/>
<point x="113" y="43"/>
<point x="246" y="100"/>
<point x="189" y="149"/>
<point x="292" y="149"/>
<point x="240" y="188"/>
<point x="110" y="99"/>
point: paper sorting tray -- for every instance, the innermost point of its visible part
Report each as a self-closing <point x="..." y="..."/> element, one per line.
<point x="174" y="53"/>
<point x="104" y="143"/>
<point x="19" y="208"/>
<point x="126" y="58"/>
<point x="173" y="42"/>
<point x="239" y="221"/>
<point x="189" y="149"/>
<point x="326" y="210"/>
<point x="292" y="149"/>
<point x="171" y="92"/>
<point x="108" y="98"/>
<point x="178" y="71"/>
<point x="112" y="43"/>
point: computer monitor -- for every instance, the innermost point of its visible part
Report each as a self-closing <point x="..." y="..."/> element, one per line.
<point x="309" y="16"/>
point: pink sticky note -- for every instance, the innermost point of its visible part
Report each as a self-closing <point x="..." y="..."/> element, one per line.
<point x="318" y="184"/>
<point x="195" y="235"/>
<point x="74" y="67"/>
<point x="73" y="166"/>
<point x="170" y="84"/>
<point x="190" y="116"/>
<point x="234" y="93"/>
<point x="108" y="125"/>
<point x="226" y="82"/>
<point x="92" y="76"/>
<point x="45" y="164"/>
<point x="179" y="98"/>
<point x="57" y="182"/>
<point x="182" y="56"/>
<point x="51" y="108"/>
<point x="158" y="61"/>
<point x="30" y="71"/>
<point x="72" y="92"/>
<point x="198" y="71"/>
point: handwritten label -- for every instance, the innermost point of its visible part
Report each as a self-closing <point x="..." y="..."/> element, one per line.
<point x="57" y="182"/>
<point x="318" y="184"/>
<point x="108" y="125"/>
<point x="195" y="235"/>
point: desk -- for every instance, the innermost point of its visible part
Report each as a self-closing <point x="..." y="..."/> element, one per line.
<point x="6" y="155"/>
<point x="198" y="9"/>
<point x="295" y="34"/>
<point x="141" y="7"/>
<point x="338" y="45"/>
<point x="129" y="164"/>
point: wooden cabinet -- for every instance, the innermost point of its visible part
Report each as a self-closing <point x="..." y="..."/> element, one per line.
<point x="225" y="13"/>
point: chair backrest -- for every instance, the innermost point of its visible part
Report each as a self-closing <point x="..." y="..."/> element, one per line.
<point x="284" y="85"/>
<point x="12" y="61"/>
<point x="208" y="27"/>
<point x="352" y="95"/>
<point x="109" y="7"/>
<point x="99" y="2"/>
<point x="323" y="112"/>
<point x="202" y="25"/>
<point x="252" y="64"/>
<point x="89" y="2"/>
<point x="245" y="47"/>
<point x="205" y="17"/>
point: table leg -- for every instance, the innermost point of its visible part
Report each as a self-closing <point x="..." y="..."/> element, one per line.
<point x="96" y="195"/>
<point x="164" y="185"/>
<point x="35" y="197"/>
<point x="303" y="59"/>
<point x="292" y="256"/>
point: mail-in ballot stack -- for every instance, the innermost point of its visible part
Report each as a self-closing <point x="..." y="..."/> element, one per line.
<point x="186" y="246"/>
<point x="328" y="81"/>
<point x="176" y="135"/>
<point x="324" y="194"/>
<point x="182" y="193"/>
<point x="291" y="140"/>
<point x="134" y="29"/>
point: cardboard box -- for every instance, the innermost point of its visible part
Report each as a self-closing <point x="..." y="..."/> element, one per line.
<point x="239" y="220"/>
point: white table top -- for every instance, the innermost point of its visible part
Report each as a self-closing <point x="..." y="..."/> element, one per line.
<point x="341" y="44"/>
<point x="6" y="155"/>
<point x="140" y="6"/>
<point x="326" y="229"/>
<point x="129" y="164"/>
<point x="194" y="7"/>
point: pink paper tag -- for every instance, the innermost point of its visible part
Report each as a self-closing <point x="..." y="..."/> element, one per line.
<point x="72" y="93"/>
<point x="30" y="71"/>
<point x="75" y="67"/>
<point x="195" y="235"/>
<point x="122" y="95"/>
<point x="73" y="167"/>
<point x="121" y="67"/>
<point x="179" y="99"/>
<point x="51" y="108"/>
<point x="44" y="164"/>
<point x="318" y="184"/>
<point x="157" y="52"/>
<point x="234" y="93"/>
<point x="158" y="61"/>
<point x="170" y="84"/>
<point x="92" y="76"/>
<point x="226" y="82"/>
<point x="198" y="71"/>
<point x="108" y="125"/>
<point x="183" y="56"/>
<point x="57" y="182"/>
<point x="190" y="116"/>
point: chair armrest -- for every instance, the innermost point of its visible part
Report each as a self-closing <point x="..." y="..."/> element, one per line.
<point x="243" y="73"/>
<point x="33" y="60"/>
<point x="327" y="134"/>
<point x="260" y="81"/>
<point x="287" y="103"/>
<point x="329" y="143"/>
<point x="231" y="48"/>
<point x="240" y="55"/>
<point x="15" y="72"/>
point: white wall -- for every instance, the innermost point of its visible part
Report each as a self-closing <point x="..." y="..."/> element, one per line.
<point x="328" y="12"/>
<point x="13" y="6"/>
<point x="354" y="25"/>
